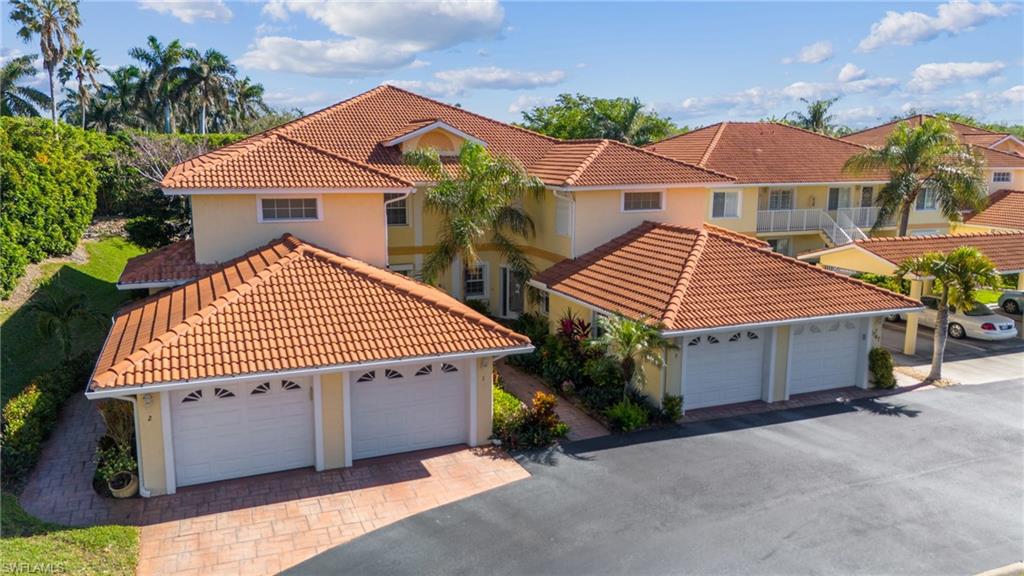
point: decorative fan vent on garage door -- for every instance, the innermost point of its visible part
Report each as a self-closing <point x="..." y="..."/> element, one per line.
<point x="752" y="335"/>
<point x="289" y="385"/>
<point x="448" y="368"/>
<point x="223" y="393"/>
<point x="194" y="396"/>
<point x="261" y="389"/>
<point x="392" y="374"/>
<point x="425" y="370"/>
<point x="367" y="377"/>
<point x="694" y="341"/>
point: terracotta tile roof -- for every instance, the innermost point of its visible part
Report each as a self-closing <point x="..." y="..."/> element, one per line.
<point x="1005" y="210"/>
<point x="980" y="138"/>
<point x="765" y="152"/>
<point x="691" y="279"/>
<point x="1004" y="249"/>
<point x="172" y="264"/>
<point x="288" y="305"/>
<point x="304" y="152"/>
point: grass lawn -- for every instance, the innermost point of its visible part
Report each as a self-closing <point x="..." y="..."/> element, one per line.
<point x="23" y="354"/>
<point x="31" y="545"/>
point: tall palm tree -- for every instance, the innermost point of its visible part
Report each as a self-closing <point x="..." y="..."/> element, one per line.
<point x="926" y="160"/>
<point x="817" y="117"/>
<point x="632" y="343"/>
<point x="15" y="98"/>
<point x="210" y="74"/>
<point x="82" y="63"/>
<point x="960" y="272"/>
<point x="56" y="23"/>
<point x="477" y="203"/>
<point x="117" y="102"/>
<point x="162" y="75"/>
<point x="246" y="102"/>
<point x="59" y="311"/>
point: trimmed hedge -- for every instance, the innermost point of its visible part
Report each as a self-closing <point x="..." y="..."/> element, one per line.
<point x="28" y="418"/>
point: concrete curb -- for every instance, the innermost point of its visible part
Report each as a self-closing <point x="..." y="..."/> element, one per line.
<point x="1015" y="569"/>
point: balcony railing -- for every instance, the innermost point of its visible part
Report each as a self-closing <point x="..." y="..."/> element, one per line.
<point x="864" y="217"/>
<point x="808" y="219"/>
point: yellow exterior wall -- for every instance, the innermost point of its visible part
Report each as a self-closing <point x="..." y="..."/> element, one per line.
<point x="484" y="399"/>
<point x="781" y="363"/>
<point x="558" y="306"/>
<point x="151" y="442"/>
<point x="599" y="215"/>
<point x="332" y="400"/>
<point x="746" y="222"/>
<point x="226" y="226"/>
<point x="855" y="259"/>
<point x="1016" y="183"/>
<point x="438" y="139"/>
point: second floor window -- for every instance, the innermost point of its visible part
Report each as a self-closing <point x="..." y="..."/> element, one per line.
<point x="780" y="199"/>
<point x="867" y="196"/>
<point x="563" y="216"/>
<point x="641" y="201"/>
<point x="474" y="281"/>
<point x="926" y="200"/>
<point x="1002" y="177"/>
<point x="398" y="211"/>
<point x="725" y="205"/>
<point x="276" y="209"/>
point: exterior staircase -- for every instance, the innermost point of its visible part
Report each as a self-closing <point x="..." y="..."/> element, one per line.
<point x="839" y="227"/>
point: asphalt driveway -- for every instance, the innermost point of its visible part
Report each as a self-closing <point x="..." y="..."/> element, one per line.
<point x="967" y="361"/>
<point x="927" y="482"/>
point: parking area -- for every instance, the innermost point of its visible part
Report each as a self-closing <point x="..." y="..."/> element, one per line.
<point x="967" y="361"/>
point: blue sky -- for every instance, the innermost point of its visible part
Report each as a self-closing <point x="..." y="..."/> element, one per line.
<point x="696" y="62"/>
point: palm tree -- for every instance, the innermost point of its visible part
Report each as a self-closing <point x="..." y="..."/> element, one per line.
<point x="210" y="73"/>
<point x="16" y="99"/>
<point x="117" y="102"/>
<point x="960" y="273"/>
<point x="626" y="120"/>
<point x="477" y="202"/>
<point x="817" y="118"/>
<point x="83" y="64"/>
<point x="927" y="160"/>
<point x="162" y="75"/>
<point x="56" y="23"/>
<point x="246" y="102"/>
<point x="631" y="343"/>
<point x="58" y="311"/>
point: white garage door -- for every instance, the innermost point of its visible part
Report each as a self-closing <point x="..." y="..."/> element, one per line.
<point x="825" y="355"/>
<point x="236" y="430"/>
<point x="723" y="368"/>
<point x="409" y="408"/>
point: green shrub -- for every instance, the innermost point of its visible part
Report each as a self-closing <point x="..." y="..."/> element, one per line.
<point x="151" y="231"/>
<point x="13" y="260"/>
<point x="672" y="408"/>
<point x="508" y="410"/>
<point x="30" y="416"/>
<point x="559" y="363"/>
<point x="533" y="427"/>
<point x="113" y="460"/>
<point x="535" y="326"/>
<point x="880" y="365"/>
<point x="626" y="416"/>
<point x="480" y="306"/>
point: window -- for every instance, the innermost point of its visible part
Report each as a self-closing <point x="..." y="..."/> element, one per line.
<point x="563" y="211"/>
<point x="474" y="281"/>
<point x="641" y="201"/>
<point x="867" y="196"/>
<point x="277" y="209"/>
<point x="545" y="303"/>
<point x="1002" y="176"/>
<point x="781" y="199"/>
<point x="780" y="245"/>
<point x="725" y="204"/>
<point x="838" y="198"/>
<point x="926" y="200"/>
<point x="397" y="211"/>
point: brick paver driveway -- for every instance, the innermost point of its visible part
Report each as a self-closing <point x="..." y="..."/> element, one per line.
<point x="261" y="524"/>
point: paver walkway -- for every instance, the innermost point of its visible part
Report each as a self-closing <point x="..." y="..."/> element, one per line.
<point x="261" y="524"/>
<point x="524" y="386"/>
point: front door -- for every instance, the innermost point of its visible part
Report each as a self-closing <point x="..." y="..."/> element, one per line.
<point x="511" y="294"/>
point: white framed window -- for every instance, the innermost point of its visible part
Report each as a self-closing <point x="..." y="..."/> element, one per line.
<point x="474" y="281"/>
<point x="725" y="204"/>
<point x="1002" y="176"/>
<point x="642" y="201"/>
<point x="867" y="196"/>
<point x="780" y="199"/>
<point x="563" y="216"/>
<point x="288" y="209"/>
<point x="403" y="269"/>
<point x="926" y="200"/>
<point x="397" y="211"/>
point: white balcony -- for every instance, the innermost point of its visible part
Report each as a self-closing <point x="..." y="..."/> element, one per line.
<point x="803" y="220"/>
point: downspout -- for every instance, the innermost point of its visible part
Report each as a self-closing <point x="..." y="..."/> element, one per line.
<point x="143" y="491"/>
<point x="387" y="252"/>
<point x="571" y="199"/>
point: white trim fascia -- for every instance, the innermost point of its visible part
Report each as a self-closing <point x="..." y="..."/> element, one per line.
<point x="809" y="319"/>
<point x="168" y="433"/>
<point x="318" y="422"/>
<point x="433" y="126"/>
<point x="346" y="415"/>
<point x="280" y="191"/>
<point x="634" y="187"/>
<point x="588" y="306"/>
<point x="622" y="201"/>
<point x="148" y="285"/>
<point x="797" y="184"/>
<point x="472" y="403"/>
<point x="344" y="368"/>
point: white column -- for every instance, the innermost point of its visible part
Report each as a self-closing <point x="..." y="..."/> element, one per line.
<point x="347" y="415"/>
<point x="318" y="422"/>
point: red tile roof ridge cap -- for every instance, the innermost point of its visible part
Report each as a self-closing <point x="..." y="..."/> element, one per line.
<point x="734" y="235"/>
<point x="922" y="117"/>
<point x="818" y="134"/>
<point x="345" y="159"/>
<point x="424" y="292"/>
<point x="680" y="162"/>
<point x="897" y="239"/>
<point x="714" y="126"/>
<point x="675" y="301"/>
<point x="992" y="199"/>
<point x="890" y="122"/>
<point x="711" y="145"/>
<point x="601" y="145"/>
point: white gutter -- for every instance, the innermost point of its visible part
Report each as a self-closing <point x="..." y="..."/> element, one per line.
<point x="148" y="285"/>
<point x="631" y="187"/>
<point x="126" y="390"/>
<point x="143" y="491"/>
<point x="794" y="184"/>
<point x="279" y="191"/>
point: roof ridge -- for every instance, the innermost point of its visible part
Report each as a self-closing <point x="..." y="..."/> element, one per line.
<point x="892" y="239"/>
<point x="343" y="158"/>
<point x="601" y="145"/>
<point x="737" y="236"/>
<point x="675" y="301"/>
<point x="683" y="134"/>
<point x="712" y="144"/>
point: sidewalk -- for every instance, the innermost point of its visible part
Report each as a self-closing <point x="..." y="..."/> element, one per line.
<point x="524" y="386"/>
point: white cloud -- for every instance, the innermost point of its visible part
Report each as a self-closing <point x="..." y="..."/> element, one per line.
<point x="448" y="83"/>
<point x="333" y="58"/>
<point x="812" y="53"/>
<point x="907" y="28"/>
<point x="809" y="90"/>
<point x="1014" y="95"/>
<point x="528" y="101"/>
<point x="417" y="63"/>
<point x="291" y="99"/>
<point x="188" y="11"/>
<point x="929" y="77"/>
<point x="877" y="85"/>
<point x="1004" y="105"/>
<point x="850" y="72"/>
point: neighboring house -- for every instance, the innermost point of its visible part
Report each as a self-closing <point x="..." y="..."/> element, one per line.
<point x="1003" y="152"/>
<point x="791" y="189"/>
<point x="1005" y="212"/>
<point x="749" y="324"/>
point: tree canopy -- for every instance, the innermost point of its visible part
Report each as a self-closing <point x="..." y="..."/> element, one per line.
<point x="579" y="116"/>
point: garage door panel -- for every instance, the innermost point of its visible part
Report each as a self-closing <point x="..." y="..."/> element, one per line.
<point x="723" y="368"/>
<point x="825" y="355"/>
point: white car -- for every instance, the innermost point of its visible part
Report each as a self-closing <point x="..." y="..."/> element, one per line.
<point x="978" y="322"/>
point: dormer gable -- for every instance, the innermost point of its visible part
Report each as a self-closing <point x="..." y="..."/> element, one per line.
<point x="431" y="133"/>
